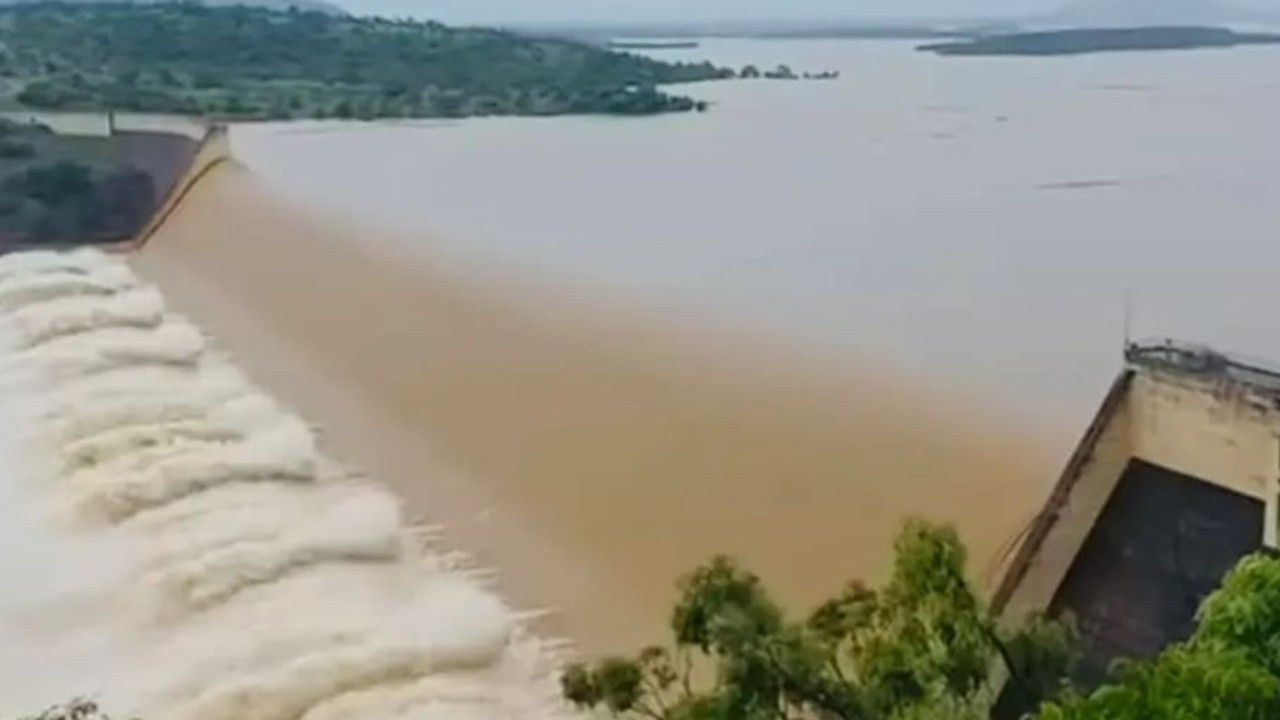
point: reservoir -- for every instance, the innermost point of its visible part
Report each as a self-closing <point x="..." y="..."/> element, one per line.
<point x="980" y="220"/>
<point x="600" y="350"/>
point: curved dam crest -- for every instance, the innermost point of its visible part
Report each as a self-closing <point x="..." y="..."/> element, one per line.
<point x="175" y="545"/>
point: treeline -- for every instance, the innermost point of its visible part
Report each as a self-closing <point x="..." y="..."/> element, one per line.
<point x="923" y="647"/>
<point x="254" y="63"/>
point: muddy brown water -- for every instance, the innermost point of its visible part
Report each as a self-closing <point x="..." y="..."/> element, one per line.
<point x="588" y="454"/>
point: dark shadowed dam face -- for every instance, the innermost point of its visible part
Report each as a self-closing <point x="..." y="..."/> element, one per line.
<point x="590" y="457"/>
<point x="1162" y="544"/>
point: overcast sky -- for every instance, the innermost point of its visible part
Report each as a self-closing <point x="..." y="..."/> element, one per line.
<point x="497" y="11"/>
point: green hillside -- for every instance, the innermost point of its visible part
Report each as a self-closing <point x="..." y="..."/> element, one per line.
<point x="255" y="63"/>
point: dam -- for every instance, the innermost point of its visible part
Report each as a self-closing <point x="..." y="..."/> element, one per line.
<point x="410" y="484"/>
<point x="1175" y="480"/>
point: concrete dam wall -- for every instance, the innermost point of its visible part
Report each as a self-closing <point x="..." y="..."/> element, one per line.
<point x="1175" y="481"/>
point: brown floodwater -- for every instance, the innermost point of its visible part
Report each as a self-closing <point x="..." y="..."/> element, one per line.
<point x="587" y="452"/>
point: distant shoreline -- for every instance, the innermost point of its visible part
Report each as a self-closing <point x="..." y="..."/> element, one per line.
<point x="1079" y="41"/>
<point x="695" y="32"/>
<point x="653" y="45"/>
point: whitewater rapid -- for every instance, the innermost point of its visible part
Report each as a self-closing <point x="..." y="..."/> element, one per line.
<point x="173" y="544"/>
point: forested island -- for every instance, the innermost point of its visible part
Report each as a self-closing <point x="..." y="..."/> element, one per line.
<point x="253" y="63"/>
<point x="1092" y="40"/>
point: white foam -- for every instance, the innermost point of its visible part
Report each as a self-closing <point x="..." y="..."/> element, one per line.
<point x="172" y="542"/>
<point x="37" y="262"/>
<point x="154" y="476"/>
<point x="173" y="343"/>
<point x="38" y="323"/>
<point x="20" y="290"/>
<point x="111" y="444"/>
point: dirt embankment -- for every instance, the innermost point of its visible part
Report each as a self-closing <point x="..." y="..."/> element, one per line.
<point x="592" y="460"/>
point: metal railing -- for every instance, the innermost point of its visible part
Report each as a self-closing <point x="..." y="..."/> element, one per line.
<point x="1200" y="360"/>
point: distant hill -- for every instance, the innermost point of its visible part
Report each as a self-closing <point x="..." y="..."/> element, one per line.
<point x="317" y="5"/>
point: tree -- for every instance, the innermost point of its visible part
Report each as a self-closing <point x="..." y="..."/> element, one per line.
<point x="79" y="709"/>
<point x="782" y="72"/>
<point x="52" y="95"/>
<point x="1182" y="684"/>
<point x="1228" y="670"/>
<point x="920" y="647"/>
<point x="237" y="106"/>
<point x="1244" y="613"/>
<point x="53" y="183"/>
<point x="166" y="78"/>
<point x="11" y="149"/>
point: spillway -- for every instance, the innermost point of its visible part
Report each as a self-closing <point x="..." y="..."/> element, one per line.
<point x="173" y="543"/>
<point x="590" y="452"/>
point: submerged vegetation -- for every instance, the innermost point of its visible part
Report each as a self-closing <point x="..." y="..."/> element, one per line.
<point x="255" y="63"/>
<point x="784" y="72"/>
<point x="924" y="647"/>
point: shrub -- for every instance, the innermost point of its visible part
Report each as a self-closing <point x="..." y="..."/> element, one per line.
<point x="13" y="149"/>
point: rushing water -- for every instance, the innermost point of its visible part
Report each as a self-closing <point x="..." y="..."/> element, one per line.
<point x="980" y="221"/>
<point x="173" y="544"/>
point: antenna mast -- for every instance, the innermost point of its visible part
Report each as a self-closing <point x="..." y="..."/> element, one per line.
<point x="1128" y="319"/>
